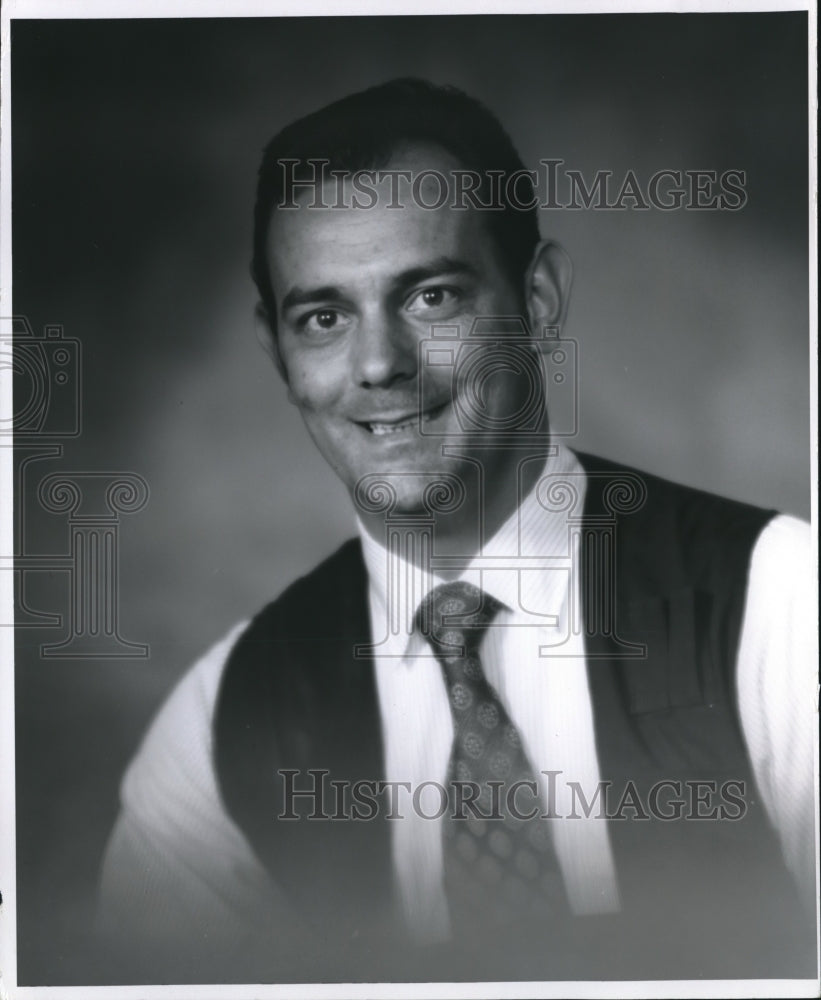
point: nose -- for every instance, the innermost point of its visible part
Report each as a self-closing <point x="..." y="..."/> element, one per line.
<point x="384" y="353"/>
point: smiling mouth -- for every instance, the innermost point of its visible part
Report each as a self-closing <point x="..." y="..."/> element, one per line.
<point x="380" y="428"/>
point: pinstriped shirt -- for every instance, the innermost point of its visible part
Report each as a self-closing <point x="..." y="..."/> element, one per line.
<point x="545" y="695"/>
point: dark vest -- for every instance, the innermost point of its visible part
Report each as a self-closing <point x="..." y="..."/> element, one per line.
<point x="703" y="892"/>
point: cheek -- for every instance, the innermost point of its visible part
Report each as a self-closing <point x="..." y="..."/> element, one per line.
<point x="313" y="386"/>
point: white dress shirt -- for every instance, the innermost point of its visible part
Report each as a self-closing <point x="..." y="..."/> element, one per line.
<point x="547" y="697"/>
<point x="176" y="856"/>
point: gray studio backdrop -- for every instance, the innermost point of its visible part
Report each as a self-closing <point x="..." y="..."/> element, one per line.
<point x="135" y="151"/>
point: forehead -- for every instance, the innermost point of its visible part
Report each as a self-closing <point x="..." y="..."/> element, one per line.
<point x="349" y="246"/>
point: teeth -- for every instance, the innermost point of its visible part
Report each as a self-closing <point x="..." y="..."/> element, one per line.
<point x="405" y="424"/>
<point x="392" y="428"/>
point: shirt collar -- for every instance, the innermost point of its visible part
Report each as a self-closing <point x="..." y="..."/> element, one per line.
<point x="535" y="595"/>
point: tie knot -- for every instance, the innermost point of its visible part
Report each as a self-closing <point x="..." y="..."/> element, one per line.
<point x="454" y="616"/>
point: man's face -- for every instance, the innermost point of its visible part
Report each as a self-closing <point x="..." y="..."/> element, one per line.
<point x="357" y="290"/>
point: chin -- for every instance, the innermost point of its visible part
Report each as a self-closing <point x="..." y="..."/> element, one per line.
<point x="410" y="502"/>
<point x="425" y="492"/>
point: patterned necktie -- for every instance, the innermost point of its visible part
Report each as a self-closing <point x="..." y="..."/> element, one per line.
<point x="499" y="865"/>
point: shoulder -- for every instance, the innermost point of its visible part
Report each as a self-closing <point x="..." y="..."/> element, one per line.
<point x="344" y="566"/>
<point x="179" y="882"/>
<point x="170" y="793"/>
<point x="177" y="750"/>
<point x="677" y="534"/>
<point x="173" y="762"/>
<point x="785" y="543"/>
<point x="650" y="495"/>
<point x="781" y="600"/>
<point x="315" y="604"/>
<point x="777" y="686"/>
<point x="292" y="650"/>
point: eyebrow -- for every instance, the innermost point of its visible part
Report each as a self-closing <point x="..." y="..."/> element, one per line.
<point x="434" y="269"/>
<point x="298" y="296"/>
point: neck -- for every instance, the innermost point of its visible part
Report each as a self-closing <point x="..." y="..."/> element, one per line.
<point x="458" y="535"/>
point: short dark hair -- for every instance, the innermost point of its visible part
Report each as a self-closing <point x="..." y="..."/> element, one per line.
<point x="362" y="132"/>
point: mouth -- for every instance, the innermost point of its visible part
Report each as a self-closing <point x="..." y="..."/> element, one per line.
<point x="402" y="425"/>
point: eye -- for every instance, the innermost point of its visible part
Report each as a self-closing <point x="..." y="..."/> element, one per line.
<point x="322" y="321"/>
<point x="435" y="297"/>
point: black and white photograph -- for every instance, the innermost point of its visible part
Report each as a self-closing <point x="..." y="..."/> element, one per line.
<point x="409" y="542"/>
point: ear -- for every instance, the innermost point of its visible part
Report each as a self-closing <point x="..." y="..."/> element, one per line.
<point x="547" y="286"/>
<point x="267" y="338"/>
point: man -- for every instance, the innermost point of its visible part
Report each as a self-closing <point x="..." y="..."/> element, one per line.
<point x="546" y="718"/>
